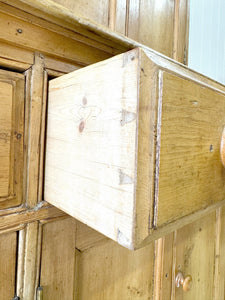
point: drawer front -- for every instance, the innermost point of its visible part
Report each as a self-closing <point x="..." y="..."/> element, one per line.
<point x="190" y="175"/>
<point x="133" y="144"/>
<point x="11" y="138"/>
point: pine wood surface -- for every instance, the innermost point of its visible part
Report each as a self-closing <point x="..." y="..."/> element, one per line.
<point x="109" y="271"/>
<point x="11" y="139"/>
<point x="124" y="18"/>
<point x="151" y="142"/>
<point x="57" y="275"/>
<point x="8" y="247"/>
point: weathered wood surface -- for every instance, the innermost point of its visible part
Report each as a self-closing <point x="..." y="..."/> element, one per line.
<point x="191" y="175"/>
<point x="195" y="256"/>
<point x="109" y="271"/>
<point x="58" y="259"/>
<point x="88" y="119"/>
<point x="11" y="138"/>
<point x="8" y="247"/>
<point x="161" y="25"/>
<point x="137" y="154"/>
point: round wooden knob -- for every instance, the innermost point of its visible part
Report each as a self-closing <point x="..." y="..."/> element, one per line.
<point x="185" y="282"/>
<point x="222" y="148"/>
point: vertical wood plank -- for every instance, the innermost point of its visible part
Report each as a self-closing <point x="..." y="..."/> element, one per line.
<point x="42" y="139"/>
<point x="20" y="263"/>
<point x="133" y="19"/>
<point x="30" y="261"/>
<point x="156" y="25"/>
<point x="120" y="20"/>
<point x="217" y="275"/>
<point x="219" y="283"/>
<point x="112" y="14"/>
<point x="58" y="260"/>
<point x="8" y="246"/>
<point x="181" y="30"/>
<point x="158" y="268"/>
<point x="34" y="115"/>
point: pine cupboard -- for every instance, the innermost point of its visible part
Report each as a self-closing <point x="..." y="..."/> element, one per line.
<point x="46" y="254"/>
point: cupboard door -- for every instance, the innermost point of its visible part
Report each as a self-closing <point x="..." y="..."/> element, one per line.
<point x="11" y="138"/>
<point x="105" y="270"/>
<point x="195" y="256"/>
<point x="58" y="260"/>
<point x="8" y="248"/>
<point x="133" y="144"/>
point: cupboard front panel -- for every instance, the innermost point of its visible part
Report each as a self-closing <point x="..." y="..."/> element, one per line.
<point x="11" y="138"/>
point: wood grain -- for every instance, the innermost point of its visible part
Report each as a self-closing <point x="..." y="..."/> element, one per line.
<point x="191" y="174"/>
<point x="174" y="156"/>
<point x="11" y="138"/>
<point x="58" y="259"/>
<point x="109" y="271"/>
<point x="96" y="10"/>
<point x="34" y="108"/>
<point x="195" y="256"/>
<point x="52" y="43"/>
<point x="104" y="180"/>
<point x="219" y="284"/>
<point x="156" y="21"/>
<point x="8" y="246"/>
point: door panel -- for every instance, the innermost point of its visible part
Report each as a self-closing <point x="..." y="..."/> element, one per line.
<point x="195" y="256"/>
<point x="107" y="270"/>
<point x="11" y="138"/>
<point x="8" y="248"/>
<point x="58" y="259"/>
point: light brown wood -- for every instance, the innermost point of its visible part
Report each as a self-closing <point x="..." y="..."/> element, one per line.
<point x="220" y="282"/>
<point x="50" y="42"/>
<point x="109" y="271"/>
<point x="181" y="30"/>
<point x="195" y="256"/>
<point x="222" y="148"/>
<point x="11" y="138"/>
<point x="218" y="278"/>
<point x="96" y="10"/>
<point x="58" y="260"/>
<point x="20" y="262"/>
<point x="153" y="137"/>
<point x="121" y="16"/>
<point x="86" y="237"/>
<point x="8" y="246"/>
<point x="158" y="268"/>
<point x="191" y="128"/>
<point x="30" y="260"/>
<point x="163" y="268"/>
<point x="35" y="100"/>
<point x="113" y="163"/>
<point x="37" y="213"/>
<point x="42" y="138"/>
<point x="158" y="17"/>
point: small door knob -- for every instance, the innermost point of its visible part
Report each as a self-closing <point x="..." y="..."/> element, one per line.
<point x="222" y="148"/>
<point x="185" y="282"/>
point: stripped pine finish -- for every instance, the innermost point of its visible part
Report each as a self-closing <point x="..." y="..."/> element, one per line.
<point x="133" y="157"/>
<point x="8" y="247"/>
<point x="11" y="138"/>
<point x="97" y="262"/>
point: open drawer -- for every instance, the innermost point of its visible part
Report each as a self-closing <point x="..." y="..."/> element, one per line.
<point x="133" y="145"/>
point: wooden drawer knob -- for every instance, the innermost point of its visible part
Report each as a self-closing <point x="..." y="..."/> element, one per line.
<point x="222" y="148"/>
<point x="185" y="282"/>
